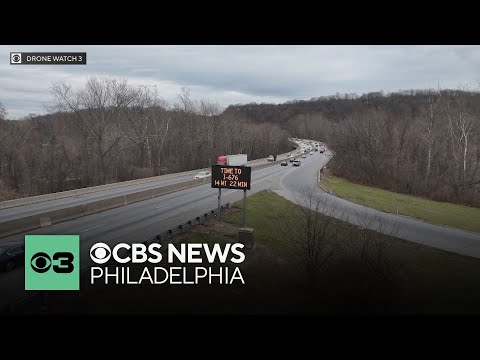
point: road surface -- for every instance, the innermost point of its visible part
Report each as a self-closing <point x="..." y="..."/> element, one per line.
<point x="138" y="221"/>
<point x="17" y="212"/>
<point x="142" y="220"/>
<point x="407" y="228"/>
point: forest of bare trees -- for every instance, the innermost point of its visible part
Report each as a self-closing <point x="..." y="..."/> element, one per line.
<point x="110" y="131"/>
<point x="420" y="142"/>
<point x="424" y="143"/>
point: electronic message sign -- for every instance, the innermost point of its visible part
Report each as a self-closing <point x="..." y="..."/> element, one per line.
<point x="231" y="177"/>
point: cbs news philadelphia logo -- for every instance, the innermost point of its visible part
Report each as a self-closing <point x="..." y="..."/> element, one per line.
<point x="52" y="262"/>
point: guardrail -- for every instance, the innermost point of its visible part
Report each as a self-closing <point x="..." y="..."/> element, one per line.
<point x="48" y="218"/>
<point x="162" y="238"/>
<point x="322" y="170"/>
<point x="69" y="193"/>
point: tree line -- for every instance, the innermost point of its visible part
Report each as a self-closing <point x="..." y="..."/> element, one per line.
<point x="109" y="131"/>
<point x="419" y="142"/>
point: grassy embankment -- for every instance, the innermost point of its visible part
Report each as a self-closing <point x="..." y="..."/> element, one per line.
<point x="424" y="280"/>
<point x="436" y="212"/>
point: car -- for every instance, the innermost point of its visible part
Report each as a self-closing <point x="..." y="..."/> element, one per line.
<point x="11" y="255"/>
<point x="304" y="156"/>
<point x="202" y="174"/>
<point x="311" y="153"/>
<point x="284" y="163"/>
<point x="292" y="159"/>
<point x="288" y="155"/>
<point x="270" y="158"/>
<point x="297" y="163"/>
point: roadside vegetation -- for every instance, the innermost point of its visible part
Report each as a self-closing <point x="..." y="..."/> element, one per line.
<point x="436" y="212"/>
<point x="108" y="130"/>
<point x="418" y="142"/>
<point x="305" y="262"/>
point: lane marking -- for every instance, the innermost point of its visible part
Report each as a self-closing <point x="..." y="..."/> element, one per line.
<point x="158" y="207"/>
<point x="92" y="228"/>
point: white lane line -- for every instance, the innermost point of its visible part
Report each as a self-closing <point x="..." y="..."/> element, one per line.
<point x="93" y="228"/>
<point x="158" y="207"/>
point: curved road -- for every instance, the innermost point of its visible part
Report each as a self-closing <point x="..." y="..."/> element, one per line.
<point x="137" y="222"/>
<point x="12" y="213"/>
<point x="142" y="220"/>
<point x="442" y="237"/>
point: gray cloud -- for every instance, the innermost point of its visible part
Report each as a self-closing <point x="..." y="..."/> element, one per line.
<point x="242" y="74"/>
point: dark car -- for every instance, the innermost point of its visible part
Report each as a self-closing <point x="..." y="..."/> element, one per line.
<point x="292" y="159"/>
<point x="284" y="163"/>
<point x="11" y="255"/>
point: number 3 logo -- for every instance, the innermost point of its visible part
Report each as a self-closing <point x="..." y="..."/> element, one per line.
<point x="65" y="265"/>
<point x="41" y="262"/>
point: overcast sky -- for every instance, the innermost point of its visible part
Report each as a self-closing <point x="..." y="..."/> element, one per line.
<point x="242" y="74"/>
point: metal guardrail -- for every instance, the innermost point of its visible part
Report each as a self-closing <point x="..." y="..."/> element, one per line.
<point x="162" y="238"/>
<point x="105" y="187"/>
<point x="320" y="175"/>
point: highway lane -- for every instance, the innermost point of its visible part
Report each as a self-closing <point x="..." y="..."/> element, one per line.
<point x="142" y="220"/>
<point x="138" y="221"/>
<point x="50" y="205"/>
<point x="441" y="237"/>
<point x="45" y="206"/>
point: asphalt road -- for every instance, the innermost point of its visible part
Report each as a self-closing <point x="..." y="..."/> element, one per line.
<point x="441" y="237"/>
<point x="142" y="220"/>
<point x="50" y="205"/>
<point x="138" y="221"/>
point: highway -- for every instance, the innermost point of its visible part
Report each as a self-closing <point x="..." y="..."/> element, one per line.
<point x="12" y="213"/>
<point x="139" y="221"/>
<point x="407" y="228"/>
<point x="45" y="206"/>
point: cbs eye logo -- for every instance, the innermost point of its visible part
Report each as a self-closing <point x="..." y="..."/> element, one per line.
<point x="41" y="262"/>
<point x="15" y="58"/>
<point x="100" y="253"/>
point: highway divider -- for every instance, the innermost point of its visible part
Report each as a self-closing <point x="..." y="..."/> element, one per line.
<point x="28" y="223"/>
<point x="63" y="194"/>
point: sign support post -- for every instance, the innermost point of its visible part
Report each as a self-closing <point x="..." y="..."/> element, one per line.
<point x="244" y="208"/>
<point x="220" y="205"/>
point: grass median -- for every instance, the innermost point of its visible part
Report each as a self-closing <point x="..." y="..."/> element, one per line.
<point x="436" y="212"/>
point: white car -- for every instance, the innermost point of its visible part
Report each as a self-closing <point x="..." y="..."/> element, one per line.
<point x="304" y="156"/>
<point x="288" y="155"/>
<point x="270" y="158"/>
<point x="202" y="174"/>
<point x="311" y="153"/>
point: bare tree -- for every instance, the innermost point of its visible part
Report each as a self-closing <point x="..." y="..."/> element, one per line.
<point x="97" y="108"/>
<point x="147" y="127"/>
<point x="3" y="112"/>
<point x="312" y="232"/>
<point x="373" y="239"/>
<point x="14" y="137"/>
<point x="429" y="134"/>
<point x="210" y="112"/>
<point x="460" y="125"/>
